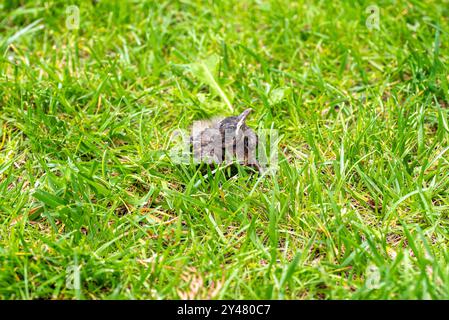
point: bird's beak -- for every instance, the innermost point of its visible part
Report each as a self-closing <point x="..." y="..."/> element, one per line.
<point x="242" y="119"/>
<point x="244" y="114"/>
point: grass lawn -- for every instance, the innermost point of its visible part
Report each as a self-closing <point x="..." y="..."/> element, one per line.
<point x="93" y="207"/>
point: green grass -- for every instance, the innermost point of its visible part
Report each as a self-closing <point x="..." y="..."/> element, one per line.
<point x="357" y="210"/>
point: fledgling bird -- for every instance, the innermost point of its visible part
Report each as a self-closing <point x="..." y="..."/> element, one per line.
<point x="224" y="140"/>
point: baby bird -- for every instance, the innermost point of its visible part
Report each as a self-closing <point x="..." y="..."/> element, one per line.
<point x="224" y="140"/>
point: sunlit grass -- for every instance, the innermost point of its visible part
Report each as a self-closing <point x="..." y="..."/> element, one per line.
<point x="359" y="205"/>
